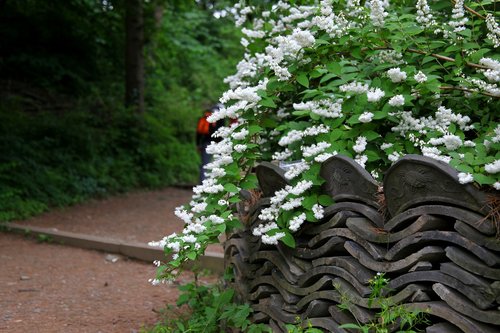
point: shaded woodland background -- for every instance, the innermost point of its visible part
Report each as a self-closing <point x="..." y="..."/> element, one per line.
<point x="102" y="96"/>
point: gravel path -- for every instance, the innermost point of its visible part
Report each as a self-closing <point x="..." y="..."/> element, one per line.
<point x="53" y="288"/>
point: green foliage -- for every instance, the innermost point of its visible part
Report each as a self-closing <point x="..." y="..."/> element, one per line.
<point x="58" y="160"/>
<point x="389" y="315"/>
<point x="210" y="310"/>
<point x="60" y="45"/>
<point x="64" y="136"/>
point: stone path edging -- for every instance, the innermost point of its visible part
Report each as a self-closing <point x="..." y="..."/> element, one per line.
<point x="212" y="261"/>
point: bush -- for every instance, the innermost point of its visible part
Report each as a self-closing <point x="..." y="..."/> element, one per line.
<point x="58" y="160"/>
<point x="369" y="80"/>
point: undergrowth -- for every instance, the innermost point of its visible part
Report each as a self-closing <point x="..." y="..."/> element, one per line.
<point x="206" y="309"/>
<point x="390" y="316"/>
<point x="49" y="159"/>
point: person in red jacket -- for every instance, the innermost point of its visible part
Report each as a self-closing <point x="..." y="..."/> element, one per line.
<point x="204" y="132"/>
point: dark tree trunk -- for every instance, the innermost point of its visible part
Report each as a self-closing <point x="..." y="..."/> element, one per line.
<point x="134" y="58"/>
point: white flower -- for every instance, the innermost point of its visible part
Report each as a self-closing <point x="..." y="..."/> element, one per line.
<point x="253" y="33"/>
<point x="283" y="155"/>
<point x="465" y="178"/>
<point x="174" y="246"/>
<point x="385" y="146"/>
<point x="354" y="88"/>
<point x="394" y="156"/>
<point x="366" y="117"/>
<point x="374" y="94"/>
<point x="316" y="130"/>
<point x="360" y="145"/>
<point x="397" y="100"/>
<point x="318" y="211"/>
<point x="272" y="240"/>
<point x="262" y="229"/>
<point x="396" y="75"/>
<point x="323" y="157"/>
<point x="497" y="185"/>
<point x="296" y="169"/>
<point x="435" y="153"/>
<point x="493" y="167"/>
<point x="458" y="15"/>
<point x="189" y="238"/>
<point x="269" y="214"/>
<point x="301" y="187"/>
<point x="216" y="219"/>
<point x="377" y="13"/>
<point x="241" y="135"/>
<point x="292" y="203"/>
<point x="290" y="137"/>
<point x="493" y="29"/>
<point x="314" y="149"/>
<point x="296" y="222"/>
<point x="493" y="73"/>
<point x="325" y="108"/>
<point x="361" y="160"/>
<point x="452" y="142"/>
<point x="420" y="77"/>
<point x="183" y="214"/>
<point x="424" y="16"/>
<point x="195" y="228"/>
<point x="303" y="37"/>
<point x="198" y="207"/>
<point x="468" y="143"/>
<point x="240" y="148"/>
<point x="244" y="42"/>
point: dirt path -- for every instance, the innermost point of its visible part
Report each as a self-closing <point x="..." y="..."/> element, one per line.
<point x="54" y="288"/>
<point x="138" y="216"/>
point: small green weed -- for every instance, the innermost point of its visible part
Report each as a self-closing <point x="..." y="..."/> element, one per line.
<point x="42" y="238"/>
<point x="299" y="327"/>
<point x="390" y="315"/>
<point x="211" y="309"/>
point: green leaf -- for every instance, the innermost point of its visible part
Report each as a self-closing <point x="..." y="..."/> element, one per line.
<point x="328" y="77"/>
<point x="226" y="296"/>
<point x="380" y="114"/>
<point x="370" y="135"/>
<point x="335" y="68"/>
<point x="221" y="228"/>
<point x="303" y="80"/>
<point x="483" y="179"/>
<point x="267" y="102"/>
<point x="325" y="200"/>
<point x="350" y="325"/>
<point x="288" y="239"/>
<point x="252" y="129"/>
<point x="231" y="188"/>
<point x="315" y="74"/>
<point x="372" y="155"/>
<point x="234" y="199"/>
<point x="335" y="135"/>
<point x="269" y="123"/>
<point x="309" y="201"/>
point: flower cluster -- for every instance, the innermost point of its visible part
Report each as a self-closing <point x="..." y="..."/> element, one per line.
<point x="372" y="82"/>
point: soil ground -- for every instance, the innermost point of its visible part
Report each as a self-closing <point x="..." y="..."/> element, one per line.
<point x="53" y="288"/>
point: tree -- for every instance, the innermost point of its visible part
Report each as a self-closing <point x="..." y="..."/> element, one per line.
<point x="134" y="57"/>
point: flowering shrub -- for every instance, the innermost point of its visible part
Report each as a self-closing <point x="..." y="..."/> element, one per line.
<point x="373" y="81"/>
